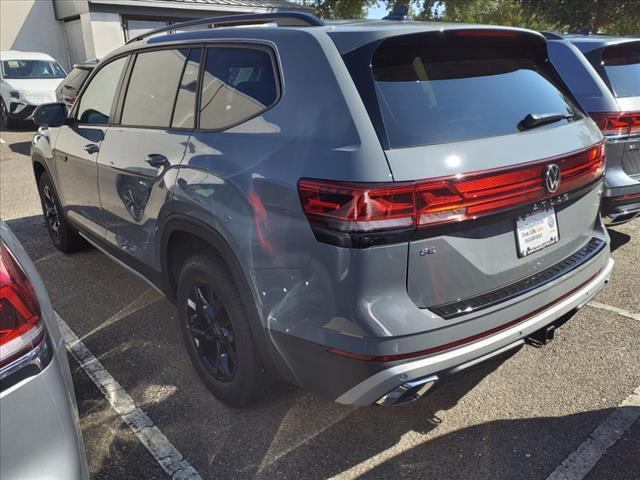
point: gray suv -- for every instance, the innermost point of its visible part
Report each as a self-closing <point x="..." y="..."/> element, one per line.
<point x="358" y="208"/>
<point x="603" y="73"/>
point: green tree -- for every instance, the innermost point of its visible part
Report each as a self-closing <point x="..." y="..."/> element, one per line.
<point x="620" y="17"/>
<point x="617" y="17"/>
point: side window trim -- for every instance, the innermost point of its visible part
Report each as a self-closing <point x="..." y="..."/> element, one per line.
<point x="175" y="95"/>
<point x="123" y="87"/>
<point x="123" y="75"/>
<point x="268" y="48"/>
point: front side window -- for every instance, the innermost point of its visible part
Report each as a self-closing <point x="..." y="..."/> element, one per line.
<point x="152" y="88"/>
<point x="238" y="84"/>
<point x="95" y="105"/>
<point x="25" y="69"/>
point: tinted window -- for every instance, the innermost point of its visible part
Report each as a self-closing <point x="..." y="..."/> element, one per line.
<point x="96" y="101"/>
<point x="152" y="88"/>
<point x="76" y="78"/>
<point x="622" y="67"/>
<point x="183" y="114"/>
<point x="238" y="84"/>
<point x="31" y="69"/>
<point x="436" y="90"/>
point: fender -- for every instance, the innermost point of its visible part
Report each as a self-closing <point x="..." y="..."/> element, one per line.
<point x="206" y="233"/>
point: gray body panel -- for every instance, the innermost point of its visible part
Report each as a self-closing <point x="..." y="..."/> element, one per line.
<point x="240" y="184"/>
<point x="40" y="431"/>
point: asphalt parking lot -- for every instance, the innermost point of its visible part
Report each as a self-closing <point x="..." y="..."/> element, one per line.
<point x="566" y="411"/>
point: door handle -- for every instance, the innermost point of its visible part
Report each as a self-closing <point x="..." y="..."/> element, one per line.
<point x="157" y="160"/>
<point x="91" y="148"/>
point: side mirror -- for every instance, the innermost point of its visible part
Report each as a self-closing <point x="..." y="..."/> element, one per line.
<point x="50" y="115"/>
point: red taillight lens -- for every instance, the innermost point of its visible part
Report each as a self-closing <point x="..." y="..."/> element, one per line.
<point x="374" y="207"/>
<point x="21" y="327"/>
<point x="617" y="123"/>
<point x="357" y="208"/>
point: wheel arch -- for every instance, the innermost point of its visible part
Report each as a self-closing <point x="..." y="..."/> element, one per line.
<point x="179" y="225"/>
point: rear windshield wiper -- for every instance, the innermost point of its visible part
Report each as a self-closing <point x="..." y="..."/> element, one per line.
<point x="534" y="120"/>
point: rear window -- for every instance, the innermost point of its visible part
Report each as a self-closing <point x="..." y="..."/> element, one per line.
<point x="438" y="88"/>
<point x="76" y="77"/>
<point x="622" y="66"/>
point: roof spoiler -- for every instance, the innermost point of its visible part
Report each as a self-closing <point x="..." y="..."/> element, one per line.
<point x="400" y="13"/>
<point x="292" y="19"/>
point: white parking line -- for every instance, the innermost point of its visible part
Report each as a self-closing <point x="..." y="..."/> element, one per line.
<point x="162" y="450"/>
<point x="616" y="310"/>
<point x="579" y="463"/>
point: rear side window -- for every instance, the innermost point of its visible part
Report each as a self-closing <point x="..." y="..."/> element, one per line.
<point x="96" y="101"/>
<point x="622" y="66"/>
<point x="152" y="88"/>
<point x="438" y="88"/>
<point x="238" y="84"/>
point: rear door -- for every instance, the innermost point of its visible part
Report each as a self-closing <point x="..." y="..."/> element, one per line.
<point x="138" y="156"/>
<point x="452" y="110"/>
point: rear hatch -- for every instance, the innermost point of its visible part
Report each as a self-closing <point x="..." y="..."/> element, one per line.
<point x="506" y="167"/>
<point x="619" y="67"/>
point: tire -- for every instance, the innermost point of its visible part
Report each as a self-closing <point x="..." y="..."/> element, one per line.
<point x="7" y="121"/>
<point x="64" y="238"/>
<point x="216" y="332"/>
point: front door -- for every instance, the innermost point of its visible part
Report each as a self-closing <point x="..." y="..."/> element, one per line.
<point x="78" y="148"/>
<point x="138" y="157"/>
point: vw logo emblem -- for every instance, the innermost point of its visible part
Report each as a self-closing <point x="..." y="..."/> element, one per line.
<point x="552" y="178"/>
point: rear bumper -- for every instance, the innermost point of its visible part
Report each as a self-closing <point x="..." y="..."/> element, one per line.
<point x="376" y="386"/>
<point x="357" y="380"/>
<point x="622" y="205"/>
<point x="39" y="413"/>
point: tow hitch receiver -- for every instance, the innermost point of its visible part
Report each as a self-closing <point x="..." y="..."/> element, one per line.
<point x="541" y="337"/>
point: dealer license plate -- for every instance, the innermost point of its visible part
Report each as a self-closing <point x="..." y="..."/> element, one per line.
<point x="536" y="231"/>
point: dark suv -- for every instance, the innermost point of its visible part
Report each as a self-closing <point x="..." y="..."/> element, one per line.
<point x="603" y="73"/>
<point x="357" y="208"/>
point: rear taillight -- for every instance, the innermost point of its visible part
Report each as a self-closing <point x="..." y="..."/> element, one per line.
<point x="373" y="208"/>
<point x="21" y="327"/>
<point x="357" y="208"/>
<point x="618" y="124"/>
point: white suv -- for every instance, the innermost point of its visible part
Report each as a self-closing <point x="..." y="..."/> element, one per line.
<point x="27" y="79"/>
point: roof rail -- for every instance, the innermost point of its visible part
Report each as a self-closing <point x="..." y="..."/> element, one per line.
<point x="298" y="19"/>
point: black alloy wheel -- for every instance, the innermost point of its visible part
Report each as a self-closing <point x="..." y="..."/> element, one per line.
<point x="212" y="333"/>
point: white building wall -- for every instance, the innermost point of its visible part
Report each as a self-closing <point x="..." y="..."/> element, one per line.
<point x="107" y="33"/>
<point x="75" y="41"/>
<point x="30" y="25"/>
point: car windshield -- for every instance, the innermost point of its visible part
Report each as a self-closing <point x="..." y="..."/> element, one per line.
<point x="31" y="69"/>
<point x="622" y="66"/>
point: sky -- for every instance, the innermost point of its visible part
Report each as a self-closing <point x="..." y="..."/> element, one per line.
<point x="378" y="11"/>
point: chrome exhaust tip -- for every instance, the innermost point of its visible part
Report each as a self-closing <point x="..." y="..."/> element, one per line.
<point x="620" y="218"/>
<point x="408" y="392"/>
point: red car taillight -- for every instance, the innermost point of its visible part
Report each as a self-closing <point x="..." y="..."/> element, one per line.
<point x="362" y="208"/>
<point x="617" y="124"/>
<point x="21" y="327"/>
